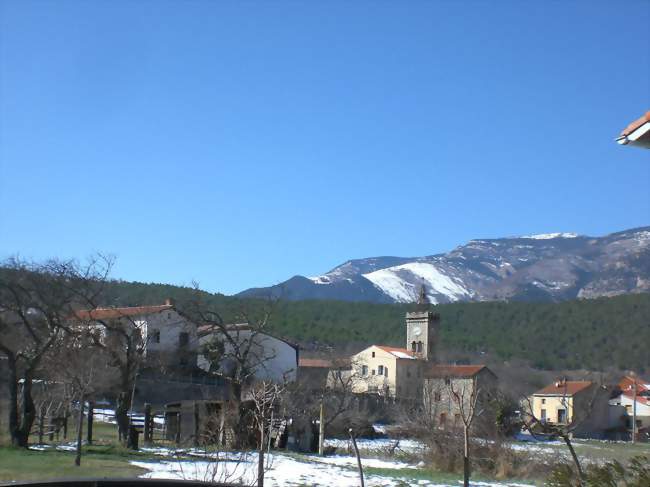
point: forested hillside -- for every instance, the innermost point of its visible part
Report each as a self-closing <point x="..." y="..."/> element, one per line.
<point x="593" y="334"/>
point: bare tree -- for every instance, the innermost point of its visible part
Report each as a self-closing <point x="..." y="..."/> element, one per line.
<point x="121" y="337"/>
<point x="465" y="394"/>
<point x="540" y="427"/>
<point x="36" y="303"/>
<point x="265" y="396"/>
<point x="235" y="350"/>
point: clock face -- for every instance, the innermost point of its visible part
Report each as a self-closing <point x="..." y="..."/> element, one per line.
<point x="417" y="331"/>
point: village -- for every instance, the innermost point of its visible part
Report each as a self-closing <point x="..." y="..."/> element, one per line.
<point x="189" y="385"/>
<point x="324" y="244"/>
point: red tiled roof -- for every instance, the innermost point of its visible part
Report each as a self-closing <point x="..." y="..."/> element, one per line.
<point x="396" y="349"/>
<point x="437" y="371"/>
<point x="114" y="313"/>
<point x="636" y="124"/>
<point x="564" y="388"/>
<point x="315" y="362"/>
<point x="626" y="384"/>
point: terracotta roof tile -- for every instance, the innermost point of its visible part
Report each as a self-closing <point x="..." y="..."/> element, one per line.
<point x="397" y="351"/>
<point x="626" y="384"/>
<point x="437" y="371"/>
<point x="114" y="313"/>
<point x="636" y="124"/>
<point x="564" y="388"/>
<point x="315" y="362"/>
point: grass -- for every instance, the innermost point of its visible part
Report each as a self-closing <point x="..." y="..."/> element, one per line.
<point x="20" y="464"/>
<point x="594" y="451"/>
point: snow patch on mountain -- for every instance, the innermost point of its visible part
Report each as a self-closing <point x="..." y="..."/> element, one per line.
<point x="402" y="282"/>
<point x="548" y="236"/>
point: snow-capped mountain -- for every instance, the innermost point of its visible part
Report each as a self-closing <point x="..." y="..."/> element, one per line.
<point x="544" y="267"/>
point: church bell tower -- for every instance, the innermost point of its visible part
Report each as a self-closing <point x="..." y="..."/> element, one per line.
<point x="421" y="329"/>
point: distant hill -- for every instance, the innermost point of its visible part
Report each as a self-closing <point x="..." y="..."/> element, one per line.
<point x="594" y="334"/>
<point x="547" y="267"/>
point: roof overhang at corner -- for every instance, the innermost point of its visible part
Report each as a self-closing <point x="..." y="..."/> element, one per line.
<point x="637" y="133"/>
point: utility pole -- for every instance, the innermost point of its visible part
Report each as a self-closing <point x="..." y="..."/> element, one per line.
<point x="634" y="411"/>
<point x="321" y="429"/>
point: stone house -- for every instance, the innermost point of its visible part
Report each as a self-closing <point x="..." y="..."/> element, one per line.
<point x="446" y="386"/>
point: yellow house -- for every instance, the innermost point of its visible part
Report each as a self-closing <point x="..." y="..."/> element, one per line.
<point x="389" y="371"/>
<point x="581" y="406"/>
<point x="560" y="402"/>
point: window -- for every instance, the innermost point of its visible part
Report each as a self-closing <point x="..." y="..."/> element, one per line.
<point x="543" y="401"/>
<point x="154" y="337"/>
<point x="419" y="347"/>
<point x="183" y="339"/>
<point x="386" y="371"/>
<point x="561" y="416"/>
<point x="447" y="381"/>
<point x="436" y="397"/>
<point x="380" y="370"/>
<point x="373" y="354"/>
<point x="364" y="370"/>
<point x="443" y="419"/>
<point x="373" y="371"/>
<point x="543" y="414"/>
<point x="413" y="347"/>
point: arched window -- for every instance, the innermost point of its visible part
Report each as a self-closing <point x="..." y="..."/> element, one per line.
<point x="419" y="350"/>
<point x="413" y="345"/>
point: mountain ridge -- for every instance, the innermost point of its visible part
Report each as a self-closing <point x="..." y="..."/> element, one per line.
<point x="542" y="267"/>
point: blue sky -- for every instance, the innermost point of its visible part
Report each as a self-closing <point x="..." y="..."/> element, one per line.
<point x="240" y="143"/>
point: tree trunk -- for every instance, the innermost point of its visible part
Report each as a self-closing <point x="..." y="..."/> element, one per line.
<point x="567" y="440"/>
<point x="466" y="457"/>
<point x="260" y="457"/>
<point x="80" y="425"/>
<point x="122" y="416"/>
<point x="356" y="452"/>
<point x="13" y="401"/>
<point x="28" y="413"/>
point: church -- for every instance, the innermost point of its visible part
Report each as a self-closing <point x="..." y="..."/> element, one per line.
<point x="398" y="372"/>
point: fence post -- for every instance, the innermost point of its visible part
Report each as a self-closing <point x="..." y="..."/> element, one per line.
<point x="41" y="414"/>
<point x="148" y="425"/>
<point x="91" y="406"/>
<point x="66" y="413"/>
<point x="196" y="424"/>
<point x="51" y="425"/>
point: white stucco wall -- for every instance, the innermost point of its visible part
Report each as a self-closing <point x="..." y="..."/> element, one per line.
<point x="269" y="357"/>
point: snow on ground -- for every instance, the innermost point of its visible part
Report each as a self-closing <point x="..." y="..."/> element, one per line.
<point x="397" y="282"/>
<point x="285" y="470"/>
<point x="408" y="446"/>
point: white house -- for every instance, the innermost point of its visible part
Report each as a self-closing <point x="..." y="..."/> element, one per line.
<point x="634" y="390"/>
<point x="169" y="338"/>
<point x="267" y="357"/>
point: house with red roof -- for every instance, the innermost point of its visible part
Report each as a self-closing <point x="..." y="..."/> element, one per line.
<point x="446" y="387"/>
<point x="634" y="391"/>
<point x="388" y="371"/>
<point x="580" y="406"/>
<point x="637" y="133"/>
<point x="168" y="337"/>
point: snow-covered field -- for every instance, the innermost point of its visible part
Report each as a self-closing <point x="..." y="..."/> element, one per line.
<point x="290" y="470"/>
